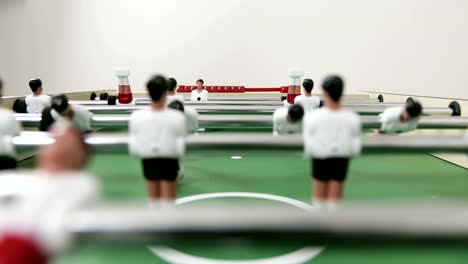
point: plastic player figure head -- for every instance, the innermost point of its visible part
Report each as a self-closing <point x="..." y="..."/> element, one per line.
<point x="333" y="90"/>
<point x="36" y="86"/>
<point x="157" y="88"/>
<point x="200" y="85"/>
<point x="295" y="113"/>
<point x="67" y="153"/>
<point x="308" y="85"/>
<point x="177" y="105"/>
<point x="411" y="111"/>
<point x="172" y="85"/>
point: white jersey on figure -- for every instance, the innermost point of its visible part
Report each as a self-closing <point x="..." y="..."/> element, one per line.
<point x="309" y="103"/>
<point x="36" y="104"/>
<point x="391" y="122"/>
<point x="332" y="134"/>
<point x="9" y="128"/>
<point x="195" y="95"/>
<point x="157" y="134"/>
<point x="38" y="204"/>
<point x="281" y="124"/>
<point x="175" y="97"/>
<point x="191" y="117"/>
<point x="81" y="120"/>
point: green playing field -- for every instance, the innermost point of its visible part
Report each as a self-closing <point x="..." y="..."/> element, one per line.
<point x="284" y="173"/>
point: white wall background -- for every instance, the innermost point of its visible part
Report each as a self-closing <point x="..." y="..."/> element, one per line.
<point x="417" y="47"/>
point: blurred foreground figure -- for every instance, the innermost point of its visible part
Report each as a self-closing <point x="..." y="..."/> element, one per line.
<point x="9" y="128"/>
<point x="157" y="137"/>
<point x="332" y="136"/>
<point x="34" y="204"/>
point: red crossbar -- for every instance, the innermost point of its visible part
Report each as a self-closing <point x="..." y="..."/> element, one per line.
<point x="260" y="90"/>
<point x="235" y="89"/>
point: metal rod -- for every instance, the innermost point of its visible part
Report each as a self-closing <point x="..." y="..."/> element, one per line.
<point x="118" y="142"/>
<point x="121" y="121"/>
<point x="261" y="109"/>
<point x="360" y="223"/>
<point x="242" y="102"/>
